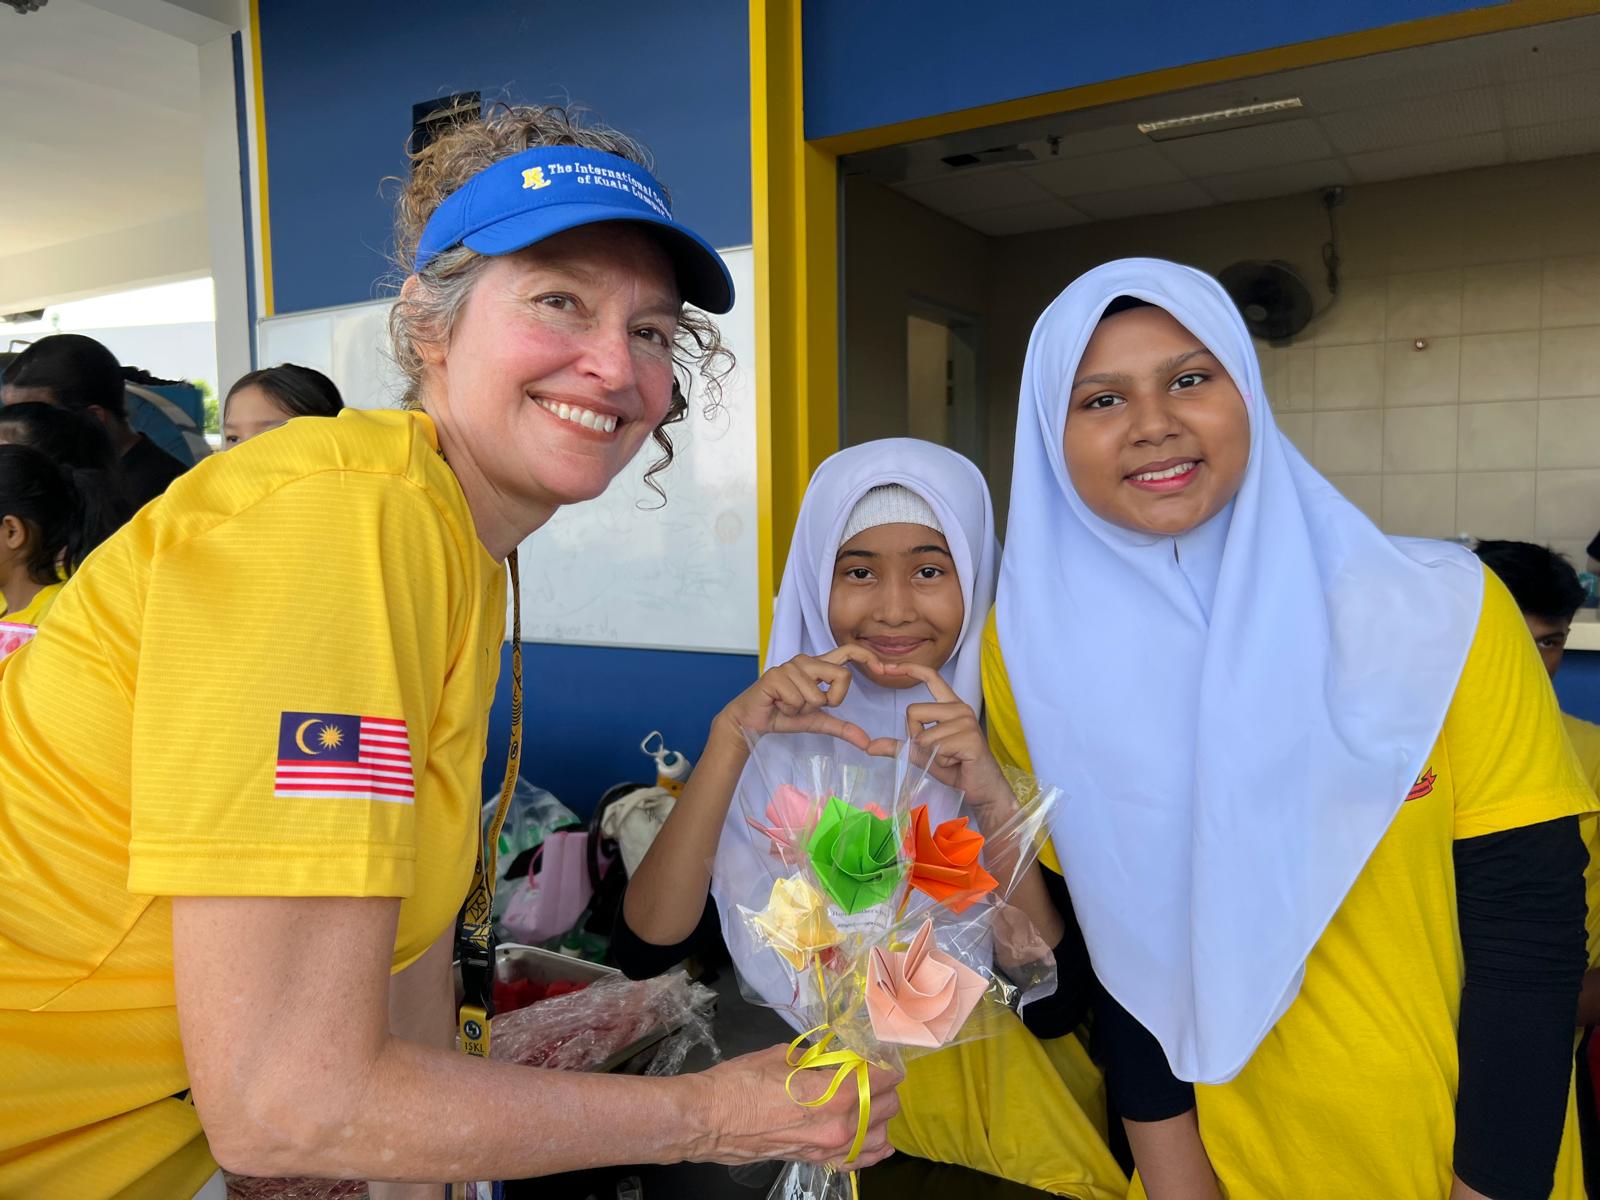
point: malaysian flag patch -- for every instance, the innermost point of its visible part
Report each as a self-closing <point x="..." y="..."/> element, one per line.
<point x="332" y="756"/>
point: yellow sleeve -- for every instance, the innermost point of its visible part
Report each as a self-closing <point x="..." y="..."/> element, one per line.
<point x="1006" y="740"/>
<point x="1585" y="737"/>
<point x="1510" y="758"/>
<point x="337" y="593"/>
<point x="999" y="706"/>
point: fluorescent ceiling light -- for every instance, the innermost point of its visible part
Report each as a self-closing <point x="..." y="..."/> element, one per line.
<point x="1266" y="108"/>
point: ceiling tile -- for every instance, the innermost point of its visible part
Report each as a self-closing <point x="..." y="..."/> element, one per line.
<point x="1025" y="218"/>
<point x="1554" y="141"/>
<point x="1140" y="201"/>
<point x="1411" y="122"/>
<point x="1229" y="150"/>
<point x="1551" y="101"/>
<point x="1434" y="158"/>
<point x="973" y="189"/>
<point x="1116" y="171"/>
<point x="1277" y="181"/>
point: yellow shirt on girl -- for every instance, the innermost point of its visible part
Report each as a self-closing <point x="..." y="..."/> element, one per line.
<point x="1352" y="1093"/>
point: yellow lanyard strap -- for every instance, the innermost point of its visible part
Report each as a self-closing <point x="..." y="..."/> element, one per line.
<point x="475" y="943"/>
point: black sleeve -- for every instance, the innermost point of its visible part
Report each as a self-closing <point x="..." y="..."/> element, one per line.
<point x="1140" y="1086"/>
<point x="1063" y="1011"/>
<point x="1520" y="900"/>
<point x="640" y="959"/>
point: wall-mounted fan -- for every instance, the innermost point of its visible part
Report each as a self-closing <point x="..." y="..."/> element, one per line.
<point x="1274" y="300"/>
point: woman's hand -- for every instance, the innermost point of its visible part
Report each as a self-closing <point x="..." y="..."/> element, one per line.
<point x="752" y="1117"/>
<point x="948" y="731"/>
<point x="793" y="697"/>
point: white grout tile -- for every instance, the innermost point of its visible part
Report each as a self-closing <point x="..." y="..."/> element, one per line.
<point x="1431" y="375"/>
<point x="1499" y="366"/>
<point x="1571" y="290"/>
<point x="1496" y="504"/>
<point x="1500" y="297"/>
<point x="1425" y="304"/>
<point x="1364" y="491"/>
<point x="1349" y="376"/>
<point x="1569" y="361"/>
<point x="1419" y="439"/>
<point x="1569" y="433"/>
<point x="1568" y="504"/>
<point x="1420" y="505"/>
<point x="1348" y="443"/>
<point x="1502" y="436"/>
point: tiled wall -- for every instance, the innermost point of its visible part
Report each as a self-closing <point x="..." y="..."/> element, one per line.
<point x="1492" y="428"/>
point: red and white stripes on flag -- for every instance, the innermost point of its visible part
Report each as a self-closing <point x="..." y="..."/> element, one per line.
<point x="379" y="770"/>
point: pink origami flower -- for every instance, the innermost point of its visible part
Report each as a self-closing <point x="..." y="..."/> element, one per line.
<point x="920" y="996"/>
<point x="790" y="815"/>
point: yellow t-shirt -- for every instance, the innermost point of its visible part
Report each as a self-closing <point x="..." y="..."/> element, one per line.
<point x="34" y="610"/>
<point x="1352" y="1093"/>
<point x="1585" y="738"/>
<point x="327" y="573"/>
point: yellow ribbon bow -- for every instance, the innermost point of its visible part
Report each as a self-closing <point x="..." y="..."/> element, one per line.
<point x="817" y="1056"/>
<point x="796" y="922"/>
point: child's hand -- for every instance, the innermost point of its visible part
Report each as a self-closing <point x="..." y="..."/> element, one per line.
<point x="949" y="732"/>
<point x="793" y="696"/>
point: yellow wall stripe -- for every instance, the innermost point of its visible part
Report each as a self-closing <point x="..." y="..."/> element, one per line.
<point x="261" y="162"/>
<point x="795" y="232"/>
<point x="1514" y="14"/>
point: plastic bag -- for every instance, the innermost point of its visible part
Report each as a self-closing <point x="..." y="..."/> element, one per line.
<point x="532" y="814"/>
<point x="548" y="901"/>
<point x="875" y="928"/>
<point x="634" y="821"/>
<point x="583" y="1030"/>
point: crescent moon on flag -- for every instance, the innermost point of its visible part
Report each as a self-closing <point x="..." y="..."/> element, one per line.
<point x="300" y="736"/>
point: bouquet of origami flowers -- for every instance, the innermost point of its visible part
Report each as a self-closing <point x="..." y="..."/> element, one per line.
<point x="879" y="923"/>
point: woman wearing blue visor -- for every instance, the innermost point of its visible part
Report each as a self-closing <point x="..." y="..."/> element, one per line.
<point x="210" y="865"/>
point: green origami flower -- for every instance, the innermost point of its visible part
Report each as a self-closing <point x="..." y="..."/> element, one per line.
<point x="855" y="856"/>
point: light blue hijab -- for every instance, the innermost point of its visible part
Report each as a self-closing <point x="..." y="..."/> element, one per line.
<point x="1236" y="714"/>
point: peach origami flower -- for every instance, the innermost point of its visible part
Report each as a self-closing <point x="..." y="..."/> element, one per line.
<point x="945" y="861"/>
<point x="920" y="996"/>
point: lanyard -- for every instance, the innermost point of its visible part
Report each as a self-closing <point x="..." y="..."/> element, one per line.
<point x="475" y="944"/>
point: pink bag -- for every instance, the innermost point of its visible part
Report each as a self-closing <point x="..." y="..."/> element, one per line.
<point x="548" y="903"/>
<point x="14" y="635"/>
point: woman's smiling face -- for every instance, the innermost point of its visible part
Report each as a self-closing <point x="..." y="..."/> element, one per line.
<point x="1157" y="436"/>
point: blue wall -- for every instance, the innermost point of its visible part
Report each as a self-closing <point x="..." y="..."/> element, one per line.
<point x="587" y="709"/>
<point x="1578" y="684"/>
<point x="870" y="64"/>
<point x="339" y="81"/>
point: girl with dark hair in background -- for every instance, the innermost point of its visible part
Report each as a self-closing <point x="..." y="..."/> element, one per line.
<point x="64" y="436"/>
<point x="270" y="397"/>
<point x="50" y="518"/>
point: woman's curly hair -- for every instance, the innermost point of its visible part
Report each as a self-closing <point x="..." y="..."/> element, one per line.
<point x="430" y="310"/>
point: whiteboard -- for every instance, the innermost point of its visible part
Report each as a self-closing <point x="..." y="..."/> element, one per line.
<point x="617" y="570"/>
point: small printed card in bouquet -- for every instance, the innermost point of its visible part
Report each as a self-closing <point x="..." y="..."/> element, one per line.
<point x="880" y="926"/>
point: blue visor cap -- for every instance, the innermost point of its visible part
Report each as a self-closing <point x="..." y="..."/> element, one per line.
<point x="547" y="190"/>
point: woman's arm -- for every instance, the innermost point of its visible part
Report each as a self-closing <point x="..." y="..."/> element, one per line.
<point x="294" y="1070"/>
<point x="667" y="895"/>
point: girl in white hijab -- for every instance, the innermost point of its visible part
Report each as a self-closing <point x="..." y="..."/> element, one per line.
<point x="890" y="575"/>
<point x="1319" y="831"/>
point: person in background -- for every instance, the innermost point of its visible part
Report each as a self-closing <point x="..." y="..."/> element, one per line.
<point x="69" y="438"/>
<point x="270" y="397"/>
<point x="77" y="373"/>
<point x="51" y="516"/>
<point x="1547" y="590"/>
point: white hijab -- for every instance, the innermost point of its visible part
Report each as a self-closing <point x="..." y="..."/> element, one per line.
<point x="959" y="497"/>
<point x="1236" y="714"/>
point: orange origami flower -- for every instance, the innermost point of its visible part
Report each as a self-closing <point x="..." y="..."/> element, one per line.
<point x="945" y="861"/>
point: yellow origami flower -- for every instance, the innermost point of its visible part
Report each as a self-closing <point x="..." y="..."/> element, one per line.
<point x="795" y="922"/>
